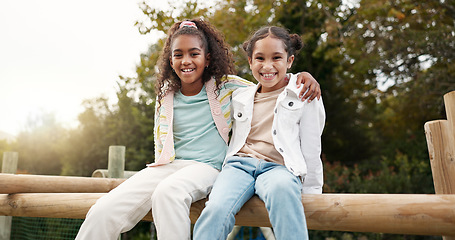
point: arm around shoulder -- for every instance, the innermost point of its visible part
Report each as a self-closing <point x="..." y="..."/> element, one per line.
<point x="236" y="81"/>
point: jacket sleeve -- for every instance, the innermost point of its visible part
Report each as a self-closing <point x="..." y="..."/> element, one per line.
<point x="233" y="82"/>
<point x="311" y="126"/>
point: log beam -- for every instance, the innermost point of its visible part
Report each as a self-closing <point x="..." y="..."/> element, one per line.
<point x="25" y="183"/>
<point x="416" y="214"/>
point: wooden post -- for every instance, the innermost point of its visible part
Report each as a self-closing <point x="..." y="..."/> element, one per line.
<point x="116" y="164"/>
<point x="9" y="165"/>
<point x="440" y="136"/>
<point x="103" y="173"/>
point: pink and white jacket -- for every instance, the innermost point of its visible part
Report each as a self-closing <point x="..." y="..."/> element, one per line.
<point x="220" y="103"/>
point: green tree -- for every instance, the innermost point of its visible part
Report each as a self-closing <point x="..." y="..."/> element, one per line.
<point x="128" y="122"/>
<point x="410" y="46"/>
<point x="86" y="148"/>
<point x="133" y="124"/>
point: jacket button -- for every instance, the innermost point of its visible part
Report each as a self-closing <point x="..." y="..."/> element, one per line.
<point x="290" y="104"/>
<point x="276" y="110"/>
<point x="239" y="114"/>
<point x="274" y="132"/>
<point x="281" y="150"/>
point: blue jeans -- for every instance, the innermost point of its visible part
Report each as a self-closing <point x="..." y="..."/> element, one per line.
<point x="240" y="179"/>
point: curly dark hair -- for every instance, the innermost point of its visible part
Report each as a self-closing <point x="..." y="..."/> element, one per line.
<point x="221" y="60"/>
<point x="292" y="42"/>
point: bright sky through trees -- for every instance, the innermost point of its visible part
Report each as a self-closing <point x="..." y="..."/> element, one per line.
<point x="54" y="54"/>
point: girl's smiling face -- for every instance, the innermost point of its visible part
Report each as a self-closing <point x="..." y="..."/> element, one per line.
<point x="189" y="60"/>
<point x="269" y="63"/>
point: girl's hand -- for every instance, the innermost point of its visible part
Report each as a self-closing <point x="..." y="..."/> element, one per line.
<point x="310" y="84"/>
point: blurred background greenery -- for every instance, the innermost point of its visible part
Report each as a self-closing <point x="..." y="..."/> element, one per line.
<point x="383" y="66"/>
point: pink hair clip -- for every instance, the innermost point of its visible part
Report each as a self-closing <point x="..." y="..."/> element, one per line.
<point x="187" y="24"/>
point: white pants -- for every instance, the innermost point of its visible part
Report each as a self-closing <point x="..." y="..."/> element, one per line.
<point x="168" y="190"/>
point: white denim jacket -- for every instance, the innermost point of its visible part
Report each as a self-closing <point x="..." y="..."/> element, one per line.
<point x="296" y="131"/>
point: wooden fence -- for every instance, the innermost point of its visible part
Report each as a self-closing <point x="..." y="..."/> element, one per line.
<point x="417" y="214"/>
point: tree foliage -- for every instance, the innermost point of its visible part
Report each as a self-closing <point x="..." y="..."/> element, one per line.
<point x="408" y="45"/>
<point x="128" y="123"/>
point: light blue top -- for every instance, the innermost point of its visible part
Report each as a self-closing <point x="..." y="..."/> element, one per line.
<point x="195" y="134"/>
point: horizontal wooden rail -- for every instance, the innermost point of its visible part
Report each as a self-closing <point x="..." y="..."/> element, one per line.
<point x="104" y="173"/>
<point x="417" y="214"/>
<point x="25" y="183"/>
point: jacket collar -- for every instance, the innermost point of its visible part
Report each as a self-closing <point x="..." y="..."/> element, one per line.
<point x="291" y="88"/>
<point x="248" y="97"/>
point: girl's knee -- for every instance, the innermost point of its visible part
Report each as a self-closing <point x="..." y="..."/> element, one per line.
<point x="161" y="193"/>
<point x="166" y="193"/>
<point x="284" y="186"/>
<point x="283" y="191"/>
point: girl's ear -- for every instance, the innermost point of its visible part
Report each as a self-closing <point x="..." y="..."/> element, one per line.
<point x="170" y="62"/>
<point x="290" y="61"/>
<point x="250" y="61"/>
<point x="207" y="59"/>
